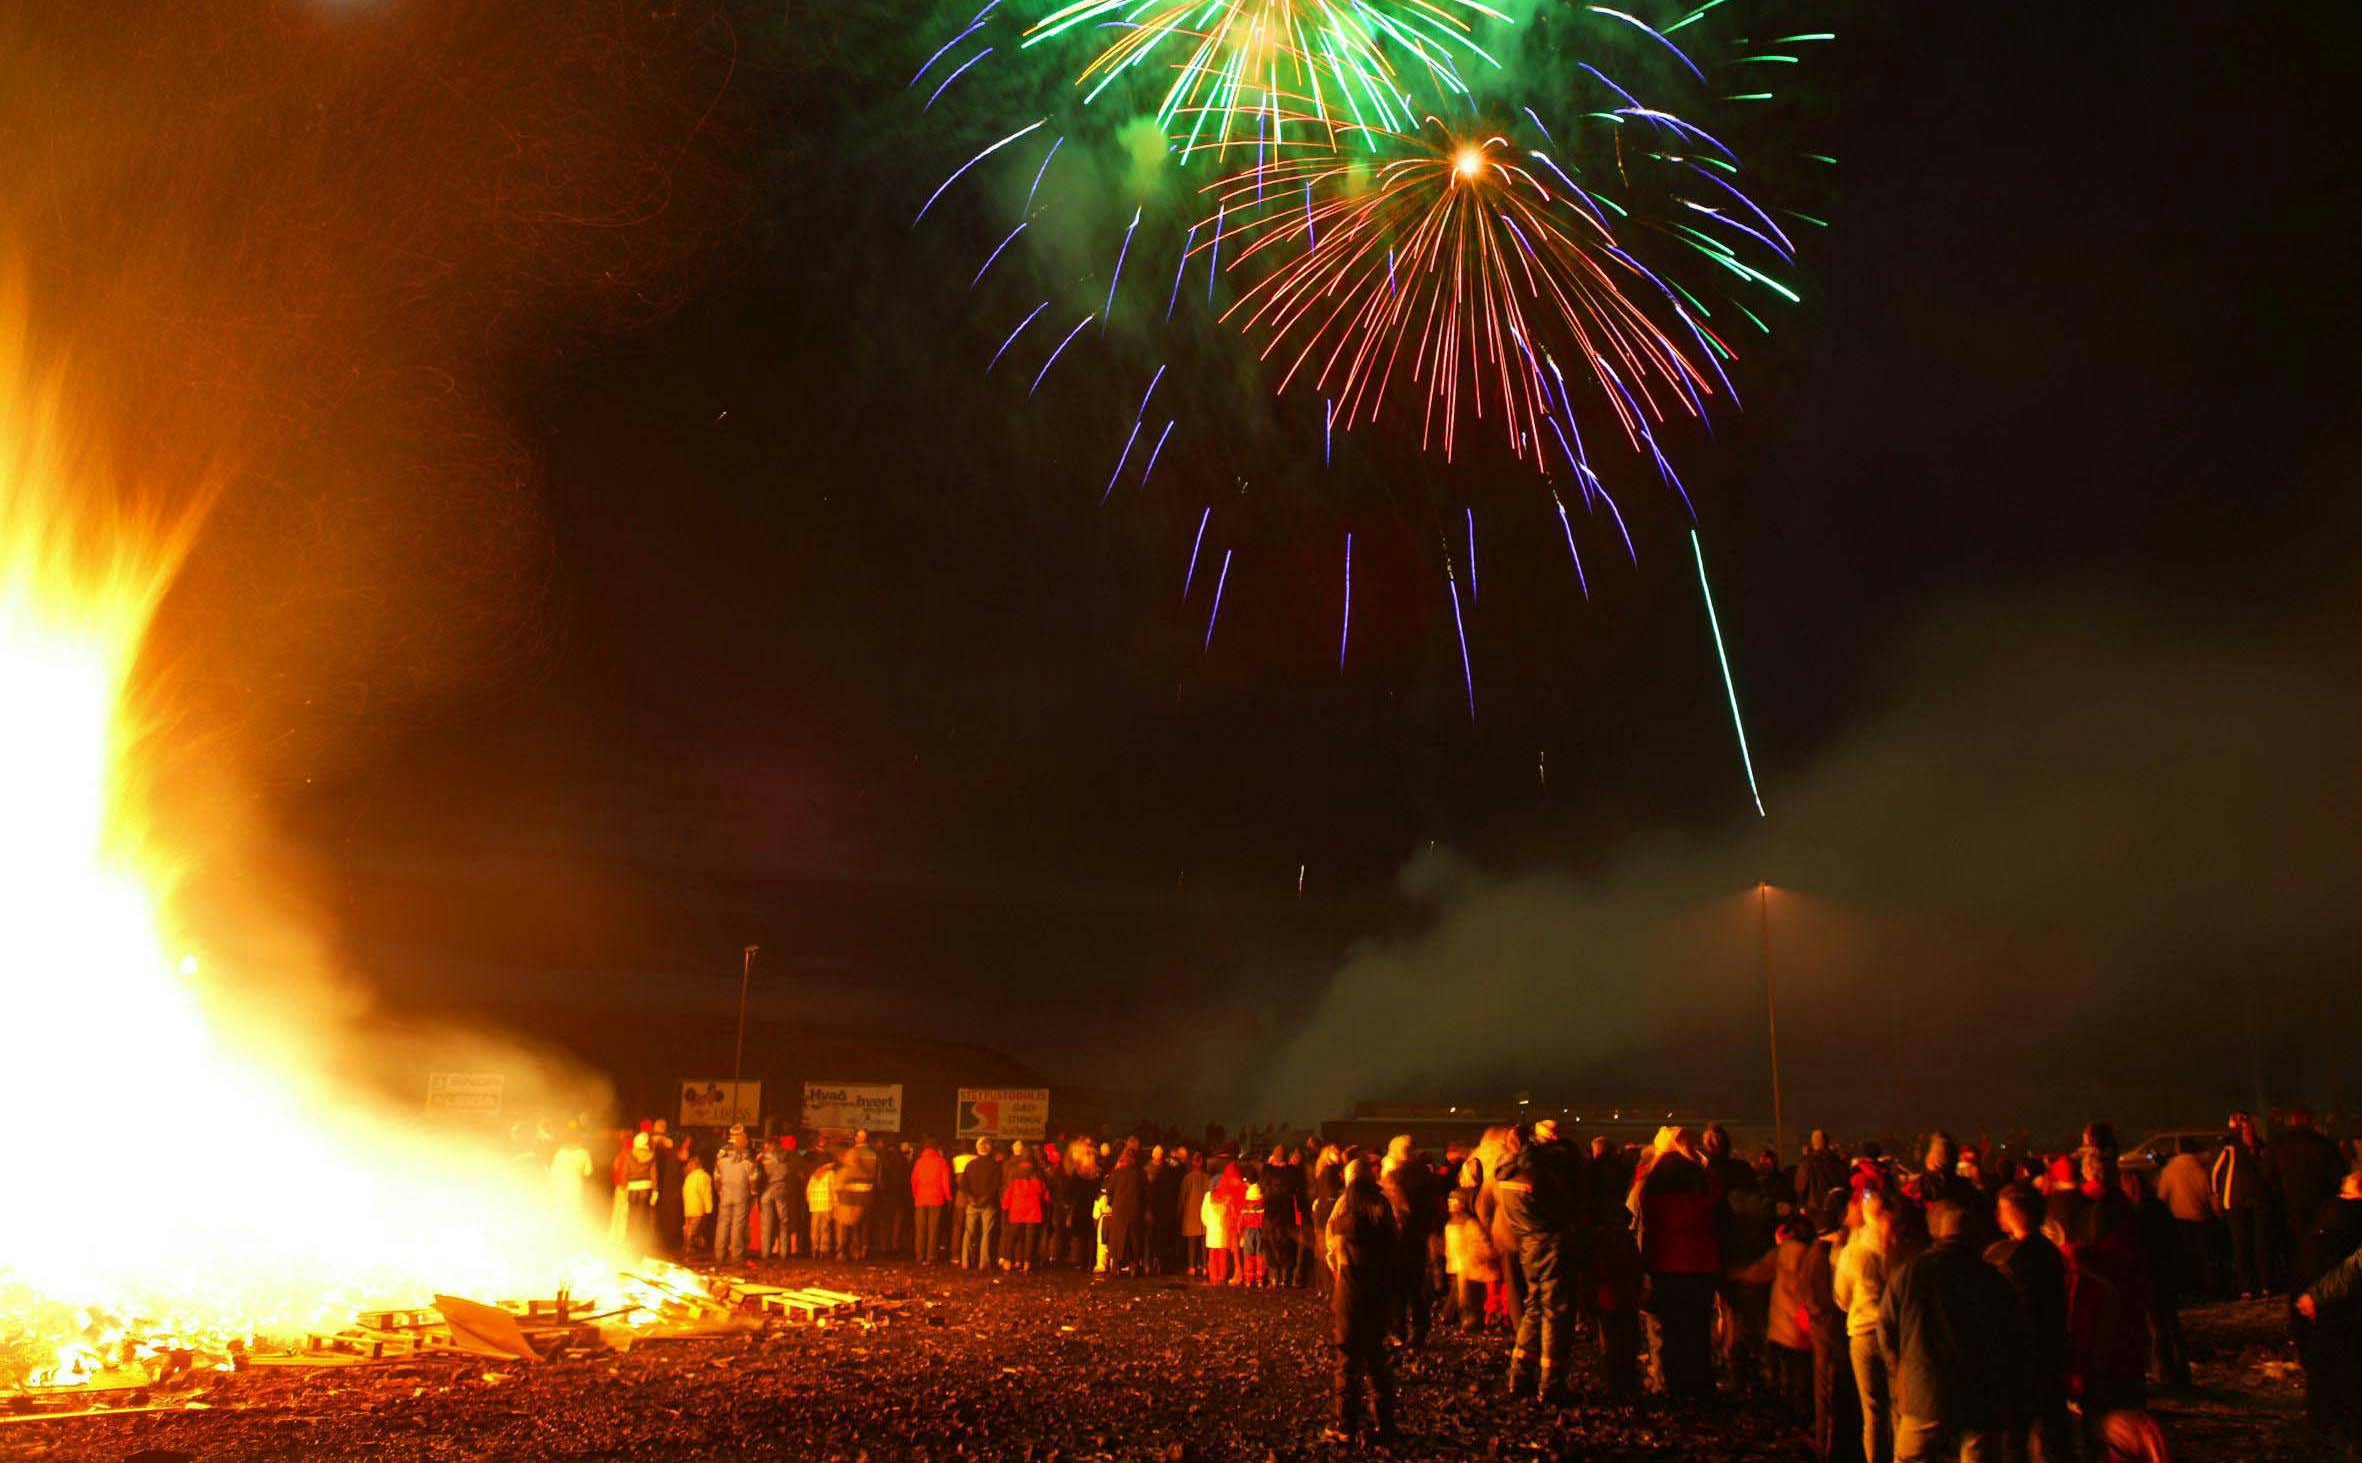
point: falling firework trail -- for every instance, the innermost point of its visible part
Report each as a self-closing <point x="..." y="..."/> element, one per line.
<point x="1124" y="457"/>
<point x="1012" y="340"/>
<point x="1053" y="360"/>
<point x="973" y="27"/>
<point x="1220" y="580"/>
<point x="1467" y="671"/>
<point x="1194" y="545"/>
<point x="1475" y="592"/>
<point x="956" y="75"/>
<point x="1153" y="453"/>
<point x="1345" y="635"/>
<point x="1328" y="435"/>
<point x="1118" y="277"/>
<point x="1042" y="171"/>
<point x="1214" y="259"/>
<point x="988" y="152"/>
<point x="1729" y="687"/>
<point x="1180" y="268"/>
<point x="995" y="254"/>
<point x="1585" y="584"/>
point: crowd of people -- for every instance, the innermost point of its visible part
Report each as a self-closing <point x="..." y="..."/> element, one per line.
<point x="1976" y="1301"/>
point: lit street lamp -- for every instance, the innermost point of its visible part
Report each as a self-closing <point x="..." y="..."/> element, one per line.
<point x="1771" y="1021"/>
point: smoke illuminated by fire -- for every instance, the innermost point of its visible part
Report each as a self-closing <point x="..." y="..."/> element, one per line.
<point x="207" y="1187"/>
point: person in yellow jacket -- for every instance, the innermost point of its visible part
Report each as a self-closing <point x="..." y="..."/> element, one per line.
<point x="820" y="1202"/>
<point x="697" y="1204"/>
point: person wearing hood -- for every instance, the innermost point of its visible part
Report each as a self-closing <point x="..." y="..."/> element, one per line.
<point x="736" y="1181"/>
<point x="930" y="1199"/>
<point x="1362" y="1243"/>
<point x="641" y="1193"/>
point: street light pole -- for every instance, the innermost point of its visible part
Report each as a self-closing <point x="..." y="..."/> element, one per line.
<point x="746" y="976"/>
<point x="1771" y="1020"/>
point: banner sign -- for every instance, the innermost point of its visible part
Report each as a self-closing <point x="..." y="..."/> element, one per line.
<point x="464" y="1091"/>
<point x="876" y="1106"/>
<point x="713" y="1104"/>
<point x="1003" y="1112"/>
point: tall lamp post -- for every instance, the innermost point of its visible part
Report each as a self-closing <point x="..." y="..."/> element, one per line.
<point x="1771" y="1020"/>
<point x="746" y="975"/>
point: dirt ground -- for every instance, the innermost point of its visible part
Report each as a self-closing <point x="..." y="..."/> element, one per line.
<point x="1052" y="1365"/>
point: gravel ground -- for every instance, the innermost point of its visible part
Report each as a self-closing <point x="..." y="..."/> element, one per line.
<point x="1052" y="1365"/>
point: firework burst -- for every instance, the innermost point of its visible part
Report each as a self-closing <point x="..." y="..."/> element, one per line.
<point x="1473" y="274"/>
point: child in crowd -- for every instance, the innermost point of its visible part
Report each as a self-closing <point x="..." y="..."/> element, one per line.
<point x="1250" y="1238"/>
<point x="1469" y="1261"/>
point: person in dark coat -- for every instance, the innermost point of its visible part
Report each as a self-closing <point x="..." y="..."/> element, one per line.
<point x="1283" y="1216"/>
<point x="1677" y="1200"/>
<point x="1614" y="1280"/>
<point x="1127" y="1212"/>
<point x="1818" y="1172"/>
<point x="2329" y="1335"/>
<point x="1363" y="1246"/>
<point x="1955" y="1344"/>
<point x="2240" y="1197"/>
<point x="2304" y="1169"/>
<point x="1541" y="1193"/>
<point x="2153" y="1224"/>
<point x="1409" y="1184"/>
<point x="1164" y="1212"/>
<point x="2038" y="1273"/>
<point x="980" y="1185"/>
<point x="670" y="1173"/>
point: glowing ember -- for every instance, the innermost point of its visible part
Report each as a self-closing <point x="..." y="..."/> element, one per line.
<point x="228" y="1185"/>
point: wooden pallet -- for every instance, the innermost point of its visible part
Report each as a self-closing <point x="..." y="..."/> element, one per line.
<point x="811" y="1303"/>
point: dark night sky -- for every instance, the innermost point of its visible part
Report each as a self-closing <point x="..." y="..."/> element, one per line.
<point x="828" y="646"/>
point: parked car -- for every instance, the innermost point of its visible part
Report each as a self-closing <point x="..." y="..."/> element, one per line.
<point x="2152" y="1152"/>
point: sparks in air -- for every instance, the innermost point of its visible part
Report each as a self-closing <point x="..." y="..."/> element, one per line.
<point x="1271" y="76"/>
<point x="1458" y="272"/>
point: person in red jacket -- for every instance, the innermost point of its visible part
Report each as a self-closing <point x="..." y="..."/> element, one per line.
<point x="1025" y="1203"/>
<point x="1675" y="1198"/>
<point x="930" y="1198"/>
